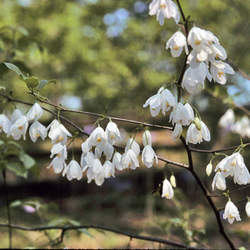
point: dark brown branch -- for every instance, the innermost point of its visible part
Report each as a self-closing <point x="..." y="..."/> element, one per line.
<point x="116" y="231"/>
<point x="216" y="150"/>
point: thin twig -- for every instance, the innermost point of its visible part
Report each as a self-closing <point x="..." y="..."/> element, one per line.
<point x="68" y="228"/>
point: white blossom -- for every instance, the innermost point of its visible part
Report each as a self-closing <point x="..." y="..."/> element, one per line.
<point x="219" y="181"/>
<point x="197" y="134"/>
<point x="59" y="150"/>
<point x="117" y="161"/>
<point x="73" y="171"/>
<point x="37" y="130"/>
<point x="164" y="9"/>
<point x="17" y="113"/>
<point x="19" y="128"/>
<point x="5" y="124"/>
<point x="129" y="159"/>
<point x="219" y="70"/>
<point x="98" y="137"/>
<point x="133" y="145"/>
<point x="177" y="131"/>
<point x="149" y="156"/>
<point x="209" y="168"/>
<point x="167" y="190"/>
<point x="242" y="127"/>
<point x="173" y="181"/>
<point x="182" y="114"/>
<point x="147" y="138"/>
<point x="58" y="164"/>
<point x="109" y="169"/>
<point x="112" y="132"/>
<point x="231" y="212"/>
<point x="57" y="132"/>
<point x="176" y="43"/>
<point x="247" y="208"/>
<point x="35" y="112"/>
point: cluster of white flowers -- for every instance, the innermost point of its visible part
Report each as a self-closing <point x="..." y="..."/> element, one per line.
<point x="180" y="115"/>
<point x="234" y="166"/>
<point x="18" y="124"/>
<point x="229" y="123"/>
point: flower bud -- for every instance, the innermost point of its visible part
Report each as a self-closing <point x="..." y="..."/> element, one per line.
<point x="173" y="181"/>
<point x="209" y="168"/>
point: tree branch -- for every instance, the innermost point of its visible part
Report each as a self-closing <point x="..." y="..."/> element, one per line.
<point x="116" y="231"/>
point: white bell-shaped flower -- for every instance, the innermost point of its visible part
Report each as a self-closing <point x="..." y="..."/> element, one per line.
<point x="129" y="159"/>
<point x="194" y="78"/>
<point x="147" y="138"/>
<point x="58" y="164"/>
<point x="98" y="137"/>
<point x="19" y="128"/>
<point x="242" y="127"/>
<point x="219" y="70"/>
<point x="112" y="132"/>
<point x="117" y="161"/>
<point x="231" y="212"/>
<point x="37" y="130"/>
<point x="34" y="113"/>
<point x="109" y="169"/>
<point x="155" y="103"/>
<point x="73" y="171"/>
<point x="149" y="156"/>
<point x="59" y="150"/>
<point x="17" y="113"/>
<point x="196" y="133"/>
<point x="218" y="52"/>
<point x="85" y="146"/>
<point x="97" y="166"/>
<point x="5" y="124"/>
<point x="168" y="101"/>
<point x="57" y="132"/>
<point x="182" y="114"/>
<point x="167" y="190"/>
<point x="177" y="131"/>
<point x="164" y="9"/>
<point x="219" y="181"/>
<point x="176" y="43"/>
<point x="247" y="208"/>
<point x="227" y="120"/>
<point x="133" y="145"/>
<point x="87" y="160"/>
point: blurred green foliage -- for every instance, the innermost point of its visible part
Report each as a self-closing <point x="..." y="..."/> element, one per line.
<point x="107" y="52"/>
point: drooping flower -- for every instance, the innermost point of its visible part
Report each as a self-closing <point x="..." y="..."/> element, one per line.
<point x="37" y="130"/>
<point x="34" y="113"/>
<point x="147" y="138"/>
<point x="58" y="164"/>
<point x="57" y="132"/>
<point x="197" y="133"/>
<point x="117" y="161"/>
<point x="167" y="190"/>
<point x="129" y="160"/>
<point x="73" y="171"/>
<point x="5" y="124"/>
<point x="247" y="208"/>
<point x="19" y="128"/>
<point x="194" y="78"/>
<point x="173" y="181"/>
<point x="17" y="113"/>
<point x="149" y="156"/>
<point x="176" y="43"/>
<point x="219" y="70"/>
<point x="112" y="132"/>
<point x="98" y="137"/>
<point x="231" y="212"/>
<point x="242" y="127"/>
<point x="177" y="131"/>
<point x="219" y="181"/>
<point x="164" y="9"/>
<point x="109" y="169"/>
<point x="133" y="145"/>
<point x="182" y="114"/>
<point x="59" y="150"/>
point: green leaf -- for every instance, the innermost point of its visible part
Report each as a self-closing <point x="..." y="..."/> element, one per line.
<point x="14" y="68"/>
<point x="43" y="83"/>
<point x="27" y="160"/>
<point x="18" y="169"/>
<point x="31" y="82"/>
